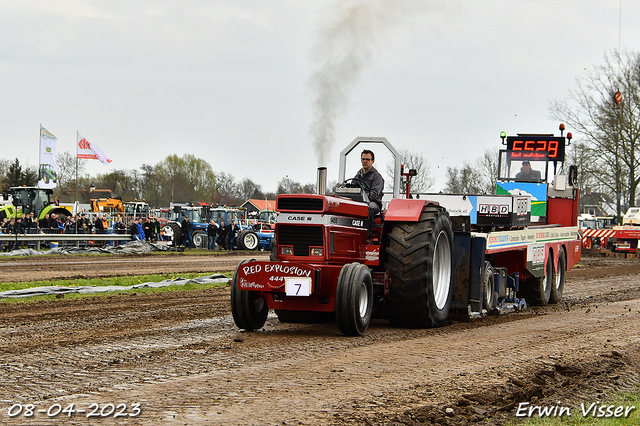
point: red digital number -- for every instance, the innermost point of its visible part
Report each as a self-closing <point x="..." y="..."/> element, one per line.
<point x="553" y="149"/>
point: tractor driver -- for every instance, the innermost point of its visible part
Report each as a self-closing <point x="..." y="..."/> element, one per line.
<point x="374" y="186"/>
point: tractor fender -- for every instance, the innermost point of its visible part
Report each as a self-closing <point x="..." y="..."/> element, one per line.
<point x="52" y="208"/>
<point x="406" y="210"/>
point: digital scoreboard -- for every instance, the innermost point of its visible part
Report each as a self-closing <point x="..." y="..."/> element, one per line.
<point x="536" y="148"/>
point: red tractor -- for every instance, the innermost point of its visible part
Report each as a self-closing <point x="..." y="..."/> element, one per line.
<point x="420" y="264"/>
<point x="324" y="264"/>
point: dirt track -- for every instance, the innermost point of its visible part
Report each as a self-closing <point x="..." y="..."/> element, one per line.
<point x="181" y="358"/>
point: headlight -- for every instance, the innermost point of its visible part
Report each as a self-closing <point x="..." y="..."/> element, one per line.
<point x="316" y="251"/>
<point x="286" y="250"/>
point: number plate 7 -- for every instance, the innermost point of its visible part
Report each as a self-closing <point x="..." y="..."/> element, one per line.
<point x="297" y="286"/>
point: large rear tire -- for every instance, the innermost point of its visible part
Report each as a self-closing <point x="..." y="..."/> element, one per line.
<point x="173" y="231"/>
<point x="248" y="240"/>
<point x="558" y="282"/>
<point x="249" y="309"/>
<point x="420" y="259"/>
<point x="539" y="288"/>
<point x="354" y="299"/>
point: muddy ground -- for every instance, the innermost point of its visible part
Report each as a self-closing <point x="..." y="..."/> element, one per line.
<point x="180" y="357"/>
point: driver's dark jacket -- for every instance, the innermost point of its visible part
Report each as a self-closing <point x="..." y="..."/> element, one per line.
<point x="376" y="183"/>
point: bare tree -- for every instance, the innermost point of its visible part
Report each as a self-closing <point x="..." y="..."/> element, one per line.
<point x="466" y="180"/>
<point x="422" y="182"/>
<point x="66" y="164"/>
<point x="611" y="130"/>
<point x="487" y="168"/>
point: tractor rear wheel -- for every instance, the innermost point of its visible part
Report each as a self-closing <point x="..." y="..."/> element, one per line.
<point x="249" y="309"/>
<point x="199" y="239"/>
<point x="558" y="283"/>
<point x="420" y="259"/>
<point x="173" y="231"/>
<point x="247" y="240"/>
<point x="354" y="299"/>
<point x="538" y="289"/>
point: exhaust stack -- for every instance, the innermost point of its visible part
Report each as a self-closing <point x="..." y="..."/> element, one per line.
<point x="321" y="185"/>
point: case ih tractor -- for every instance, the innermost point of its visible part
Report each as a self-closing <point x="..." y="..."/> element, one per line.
<point x="428" y="257"/>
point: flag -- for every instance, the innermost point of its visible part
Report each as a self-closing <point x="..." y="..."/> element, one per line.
<point x="48" y="171"/>
<point x="89" y="151"/>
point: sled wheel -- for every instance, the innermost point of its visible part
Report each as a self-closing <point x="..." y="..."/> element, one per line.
<point x="490" y="296"/>
<point x="539" y="288"/>
<point x="558" y="282"/>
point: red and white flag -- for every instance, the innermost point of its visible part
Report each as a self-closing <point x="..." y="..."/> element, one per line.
<point x="89" y="151"/>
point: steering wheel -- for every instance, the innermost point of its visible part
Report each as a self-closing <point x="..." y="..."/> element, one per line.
<point x="357" y="183"/>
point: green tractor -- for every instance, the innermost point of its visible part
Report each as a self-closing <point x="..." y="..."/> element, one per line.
<point x="7" y="209"/>
<point x="30" y="199"/>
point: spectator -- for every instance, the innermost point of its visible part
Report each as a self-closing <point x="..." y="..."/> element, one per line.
<point x="212" y="230"/>
<point x="53" y="224"/>
<point x="99" y="225"/>
<point x="155" y="226"/>
<point x="187" y="227"/>
<point x="222" y="235"/>
<point x="43" y="223"/>
<point x="9" y="228"/>
<point x="136" y="230"/>
<point x="147" y="227"/>
<point x="119" y="228"/>
<point x="18" y="228"/>
<point x="29" y="224"/>
<point x="232" y="234"/>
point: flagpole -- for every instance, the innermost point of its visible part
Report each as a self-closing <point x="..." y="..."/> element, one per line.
<point x="76" y="221"/>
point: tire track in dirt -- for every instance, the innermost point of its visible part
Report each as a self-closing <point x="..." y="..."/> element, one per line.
<point x="180" y="355"/>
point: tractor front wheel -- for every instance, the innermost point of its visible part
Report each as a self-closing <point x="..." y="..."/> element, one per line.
<point x="354" y="299"/>
<point x="420" y="259"/>
<point x="199" y="239"/>
<point x="249" y="309"/>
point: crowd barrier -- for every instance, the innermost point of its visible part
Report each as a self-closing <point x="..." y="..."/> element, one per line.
<point x="65" y="238"/>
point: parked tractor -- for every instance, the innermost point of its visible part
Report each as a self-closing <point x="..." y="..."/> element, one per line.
<point x="197" y="214"/>
<point x="429" y="255"/>
<point x="29" y="199"/>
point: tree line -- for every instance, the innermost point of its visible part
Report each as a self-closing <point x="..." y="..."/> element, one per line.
<point x="179" y="179"/>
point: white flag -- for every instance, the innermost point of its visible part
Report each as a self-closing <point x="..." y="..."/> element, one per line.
<point x="48" y="172"/>
<point x="87" y="150"/>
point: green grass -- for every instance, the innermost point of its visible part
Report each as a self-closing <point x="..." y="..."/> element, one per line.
<point x="625" y="399"/>
<point x="100" y="282"/>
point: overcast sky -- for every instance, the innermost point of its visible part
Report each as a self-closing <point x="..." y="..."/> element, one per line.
<point x="268" y="89"/>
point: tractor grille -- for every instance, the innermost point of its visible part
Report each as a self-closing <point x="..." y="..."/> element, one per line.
<point x="302" y="204"/>
<point x="300" y="237"/>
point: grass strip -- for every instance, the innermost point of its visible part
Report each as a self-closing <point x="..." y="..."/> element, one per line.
<point x="100" y="282"/>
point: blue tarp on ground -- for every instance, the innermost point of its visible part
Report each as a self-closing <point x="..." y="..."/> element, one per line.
<point x="42" y="291"/>
<point x="130" y="247"/>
